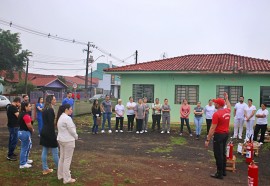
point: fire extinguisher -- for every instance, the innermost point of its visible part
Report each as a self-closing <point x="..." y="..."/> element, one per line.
<point x="230" y="150"/>
<point x="253" y="172"/>
<point x="249" y="151"/>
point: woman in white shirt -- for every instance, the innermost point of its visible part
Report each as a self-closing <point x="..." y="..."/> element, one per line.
<point x="130" y="113"/>
<point x="261" y="115"/>
<point x="249" y="112"/>
<point x="119" y="111"/>
<point x="209" y="110"/>
<point x="66" y="138"/>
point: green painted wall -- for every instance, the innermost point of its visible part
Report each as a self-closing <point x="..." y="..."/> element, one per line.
<point x="164" y="87"/>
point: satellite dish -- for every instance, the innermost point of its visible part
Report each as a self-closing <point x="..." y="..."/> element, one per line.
<point x="164" y="55"/>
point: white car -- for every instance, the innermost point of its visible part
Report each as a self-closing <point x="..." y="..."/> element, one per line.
<point x="4" y="102"/>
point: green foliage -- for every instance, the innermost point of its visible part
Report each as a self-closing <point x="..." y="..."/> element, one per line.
<point x="12" y="58"/>
<point x="178" y="141"/>
<point x="20" y="88"/>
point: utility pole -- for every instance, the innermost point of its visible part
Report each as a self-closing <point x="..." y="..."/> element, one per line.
<point x="26" y="76"/>
<point x="91" y="60"/>
<point x="86" y="72"/>
<point x="136" y="57"/>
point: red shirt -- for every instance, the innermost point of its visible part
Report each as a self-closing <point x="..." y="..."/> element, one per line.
<point x="221" y="118"/>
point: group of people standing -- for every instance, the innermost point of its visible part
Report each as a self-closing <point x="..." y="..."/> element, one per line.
<point x="20" y="125"/>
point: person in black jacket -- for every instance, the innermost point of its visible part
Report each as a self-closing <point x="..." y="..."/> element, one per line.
<point x="96" y="116"/>
<point x="48" y="137"/>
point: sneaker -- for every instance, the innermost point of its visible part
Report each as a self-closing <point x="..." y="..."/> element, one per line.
<point x="11" y="158"/>
<point x="110" y="131"/>
<point x="234" y="137"/>
<point x="121" y="131"/>
<point x="168" y="132"/>
<point x="240" y="137"/>
<point x="14" y="155"/>
<point x="137" y="132"/>
<point x="197" y="137"/>
<point x="70" y="181"/>
<point x="261" y="143"/>
<point x="115" y="131"/>
<point x="25" y="166"/>
<point x="181" y="134"/>
<point x="190" y="135"/>
<point x="47" y="171"/>
<point x="103" y="131"/>
<point x="145" y="130"/>
<point x="29" y="161"/>
<point x="162" y="132"/>
<point x="141" y="132"/>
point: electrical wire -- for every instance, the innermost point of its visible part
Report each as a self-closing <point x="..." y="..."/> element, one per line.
<point x="54" y="69"/>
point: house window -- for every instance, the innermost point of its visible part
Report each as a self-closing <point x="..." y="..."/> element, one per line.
<point x="141" y="91"/>
<point x="265" y="95"/>
<point x="234" y="92"/>
<point x="189" y="92"/>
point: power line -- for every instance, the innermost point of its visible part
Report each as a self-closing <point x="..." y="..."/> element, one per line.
<point x="49" y="61"/>
<point x="55" y="69"/>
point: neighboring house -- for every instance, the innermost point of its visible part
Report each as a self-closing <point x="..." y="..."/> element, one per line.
<point x="80" y="81"/>
<point x="196" y="78"/>
<point x="109" y="83"/>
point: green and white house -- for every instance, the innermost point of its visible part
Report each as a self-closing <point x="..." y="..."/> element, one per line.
<point x="196" y="78"/>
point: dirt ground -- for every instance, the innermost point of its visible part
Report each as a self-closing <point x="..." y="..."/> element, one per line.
<point x="133" y="159"/>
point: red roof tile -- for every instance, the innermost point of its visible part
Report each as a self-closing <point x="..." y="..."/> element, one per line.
<point x="80" y="80"/>
<point x="201" y="63"/>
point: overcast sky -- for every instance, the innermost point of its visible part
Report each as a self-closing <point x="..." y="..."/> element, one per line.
<point x="152" y="27"/>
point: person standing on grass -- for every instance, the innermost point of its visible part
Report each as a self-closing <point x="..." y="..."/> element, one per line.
<point x="130" y="113"/>
<point x="24" y="101"/>
<point x="69" y="100"/>
<point x="184" y="116"/>
<point x="25" y="132"/>
<point x="13" y="127"/>
<point x="250" y="119"/>
<point x="66" y="137"/>
<point x="239" y="117"/>
<point x="96" y="116"/>
<point x="106" y="108"/>
<point x="220" y="130"/>
<point x="209" y="110"/>
<point x="47" y="136"/>
<point x="198" y="119"/>
<point x="139" y="115"/>
<point x="156" y="115"/>
<point x="39" y="107"/>
<point x="145" y="120"/>
<point x="119" y="111"/>
<point x="166" y="109"/>
<point x="262" y="118"/>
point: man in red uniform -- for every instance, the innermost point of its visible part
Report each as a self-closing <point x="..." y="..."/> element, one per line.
<point x="220" y="130"/>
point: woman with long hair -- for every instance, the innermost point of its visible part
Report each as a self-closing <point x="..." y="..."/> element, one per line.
<point x="24" y="134"/>
<point x="66" y="137"/>
<point x="184" y="116"/>
<point x="96" y="116"/>
<point x="39" y="107"/>
<point x="48" y="136"/>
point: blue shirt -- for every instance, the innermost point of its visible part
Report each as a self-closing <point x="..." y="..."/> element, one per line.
<point x="68" y="101"/>
<point x="39" y="113"/>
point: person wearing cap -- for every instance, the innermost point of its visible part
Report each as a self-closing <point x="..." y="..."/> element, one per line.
<point x="220" y="130"/>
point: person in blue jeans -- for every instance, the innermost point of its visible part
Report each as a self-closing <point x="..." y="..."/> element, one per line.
<point x="198" y="119"/>
<point x="106" y="109"/>
<point x="96" y="112"/>
<point x="48" y="138"/>
<point x="24" y="134"/>
<point x="39" y="107"/>
<point x="13" y="127"/>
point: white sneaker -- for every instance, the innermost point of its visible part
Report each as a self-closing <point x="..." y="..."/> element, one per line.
<point x="29" y="161"/>
<point x="103" y="131"/>
<point x="115" y="131"/>
<point x="110" y="131"/>
<point x="141" y="132"/>
<point x="121" y="131"/>
<point x="261" y="143"/>
<point x="162" y="132"/>
<point x="190" y="135"/>
<point x="145" y="130"/>
<point x="181" y="134"/>
<point x="25" y="166"/>
<point x="240" y="137"/>
<point x="168" y="132"/>
<point x="137" y="132"/>
<point x="234" y="137"/>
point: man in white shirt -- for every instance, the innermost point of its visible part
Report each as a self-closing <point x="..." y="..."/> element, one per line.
<point x="239" y="117"/>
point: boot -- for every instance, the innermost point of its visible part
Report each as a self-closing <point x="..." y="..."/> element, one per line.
<point x="217" y="175"/>
<point x="224" y="173"/>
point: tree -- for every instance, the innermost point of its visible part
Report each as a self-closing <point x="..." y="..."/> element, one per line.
<point x="20" y="88"/>
<point x="12" y="57"/>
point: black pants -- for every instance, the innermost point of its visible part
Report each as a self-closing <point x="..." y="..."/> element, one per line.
<point x="121" y="119"/>
<point x="257" y="130"/>
<point x="208" y="123"/>
<point x="187" y="123"/>
<point x="139" y="123"/>
<point x="219" y="143"/>
<point x="156" y="120"/>
<point x="130" y="122"/>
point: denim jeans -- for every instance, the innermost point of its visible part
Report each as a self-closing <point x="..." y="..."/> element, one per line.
<point x="26" y="145"/>
<point x="45" y="154"/>
<point x="198" y="123"/>
<point x="182" y="124"/>
<point x="95" y="125"/>
<point x="106" y="116"/>
<point x="13" y="139"/>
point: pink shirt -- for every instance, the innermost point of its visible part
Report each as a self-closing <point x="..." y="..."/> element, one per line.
<point x="184" y="109"/>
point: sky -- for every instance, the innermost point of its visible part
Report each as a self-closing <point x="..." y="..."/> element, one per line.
<point x="153" y="27"/>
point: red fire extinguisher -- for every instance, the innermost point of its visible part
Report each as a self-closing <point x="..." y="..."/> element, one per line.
<point x="230" y="150"/>
<point x="253" y="172"/>
<point x="249" y="151"/>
